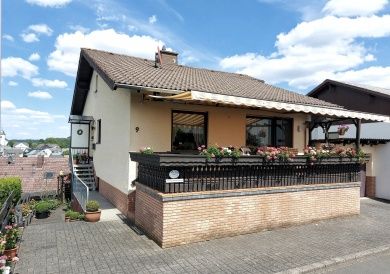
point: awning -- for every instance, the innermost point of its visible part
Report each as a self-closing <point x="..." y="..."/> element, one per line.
<point x="199" y="96"/>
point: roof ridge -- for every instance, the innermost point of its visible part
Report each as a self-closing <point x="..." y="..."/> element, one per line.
<point x="174" y="65"/>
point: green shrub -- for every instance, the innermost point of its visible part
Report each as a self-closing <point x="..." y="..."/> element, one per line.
<point x="93" y="206"/>
<point x="73" y="215"/>
<point x="7" y="185"/>
<point x="42" y="207"/>
<point x="53" y="203"/>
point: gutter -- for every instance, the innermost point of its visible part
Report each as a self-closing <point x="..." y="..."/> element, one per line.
<point x="150" y="89"/>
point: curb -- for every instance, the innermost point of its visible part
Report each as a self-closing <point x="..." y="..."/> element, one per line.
<point x="336" y="260"/>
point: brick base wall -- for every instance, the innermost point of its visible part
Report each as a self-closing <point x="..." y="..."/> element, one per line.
<point x="32" y="176"/>
<point x="176" y="219"/>
<point x="124" y="202"/>
<point x="370" y="186"/>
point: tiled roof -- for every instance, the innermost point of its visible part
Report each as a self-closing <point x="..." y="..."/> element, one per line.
<point x="118" y="69"/>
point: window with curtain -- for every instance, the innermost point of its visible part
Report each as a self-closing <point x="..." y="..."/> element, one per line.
<point x="268" y="132"/>
<point x="188" y="130"/>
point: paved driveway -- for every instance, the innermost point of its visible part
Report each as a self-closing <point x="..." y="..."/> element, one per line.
<point x="113" y="247"/>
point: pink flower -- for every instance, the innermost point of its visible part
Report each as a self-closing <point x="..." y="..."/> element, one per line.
<point x="15" y="259"/>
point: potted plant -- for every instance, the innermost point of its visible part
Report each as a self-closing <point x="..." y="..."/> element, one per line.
<point x="76" y="158"/>
<point x="342" y="129"/>
<point x="71" y="216"/>
<point x="12" y="234"/>
<point x="93" y="212"/>
<point x="42" y="209"/>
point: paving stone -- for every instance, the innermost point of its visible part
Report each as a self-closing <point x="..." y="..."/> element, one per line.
<point x="53" y="246"/>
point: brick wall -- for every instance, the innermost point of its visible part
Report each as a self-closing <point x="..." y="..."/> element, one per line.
<point x="32" y="176"/>
<point x="124" y="202"/>
<point x="370" y="186"/>
<point x="176" y="219"/>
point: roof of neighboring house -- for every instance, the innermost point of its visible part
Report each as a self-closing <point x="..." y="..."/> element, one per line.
<point x="126" y="71"/>
<point x="384" y="92"/>
<point x="18" y="144"/>
<point x="47" y="146"/>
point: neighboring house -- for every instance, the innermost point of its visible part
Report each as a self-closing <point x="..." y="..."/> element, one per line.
<point x="13" y="152"/>
<point x="123" y="103"/>
<point x="375" y="135"/>
<point x="22" y="146"/>
<point x="46" y="150"/>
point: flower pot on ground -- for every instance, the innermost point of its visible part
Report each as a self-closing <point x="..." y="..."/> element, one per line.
<point x="93" y="212"/>
<point x="42" y="210"/>
<point x="11" y="253"/>
<point x="10" y="240"/>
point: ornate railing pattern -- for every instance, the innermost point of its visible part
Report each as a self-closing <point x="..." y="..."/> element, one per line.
<point x="197" y="174"/>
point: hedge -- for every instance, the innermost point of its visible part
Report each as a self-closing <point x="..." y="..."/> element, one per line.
<point x="7" y="185"/>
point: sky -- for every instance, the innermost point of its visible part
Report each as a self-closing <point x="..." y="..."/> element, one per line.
<point x="292" y="44"/>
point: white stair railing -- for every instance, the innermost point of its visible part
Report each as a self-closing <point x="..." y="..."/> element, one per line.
<point x="79" y="189"/>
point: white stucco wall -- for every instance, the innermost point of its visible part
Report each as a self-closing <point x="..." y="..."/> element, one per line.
<point x="111" y="156"/>
<point x="382" y="171"/>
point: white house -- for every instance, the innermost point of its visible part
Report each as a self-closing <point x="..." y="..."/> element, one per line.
<point x="22" y="146"/>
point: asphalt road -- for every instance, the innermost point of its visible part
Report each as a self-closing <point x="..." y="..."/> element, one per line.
<point x="377" y="264"/>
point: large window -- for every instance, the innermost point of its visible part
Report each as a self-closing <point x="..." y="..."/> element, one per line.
<point x="188" y="130"/>
<point x="268" y="132"/>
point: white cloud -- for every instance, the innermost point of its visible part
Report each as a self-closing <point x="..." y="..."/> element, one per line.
<point x="29" y="37"/>
<point x="40" y="95"/>
<point x="79" y="28"/>
<point x="49" y="3"/>
<point x="12" y="83"/>
<point x="313" y="51"/>
<point x="67" y="47"/>
<point x="41" y="29"/>
<point x="39" y="82"/>
<point x="16" y="66"/>
<point x="6" y="105"/>
<point x="32" y="33"/>
<point x="374" y="76"/>
<point x="354" y="7"/>
<point x="34" y="57"/>
<point x="152" y="19"/>
<point x="20" y="122"/>
<point x="8" y="37"/>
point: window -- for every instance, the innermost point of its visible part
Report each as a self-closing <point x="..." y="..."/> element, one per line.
<point x="99" y="131"/>
<point x="268" y="132"/>
<point x="188" y="130"/>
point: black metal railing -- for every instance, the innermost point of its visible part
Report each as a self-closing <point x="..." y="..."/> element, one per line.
<point x="248" y="174"/>
<point x="5" y="210"/>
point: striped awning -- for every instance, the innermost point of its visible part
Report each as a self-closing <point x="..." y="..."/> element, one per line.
<point x="207" y="97"/>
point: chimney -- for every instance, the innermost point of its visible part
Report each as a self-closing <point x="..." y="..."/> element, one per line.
<point x="166" y="57"/>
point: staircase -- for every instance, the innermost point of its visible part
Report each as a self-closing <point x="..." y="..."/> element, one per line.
<point x="86" y="174"/>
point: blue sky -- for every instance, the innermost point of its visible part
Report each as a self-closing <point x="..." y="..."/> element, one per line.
<point x="292" y="44"/>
